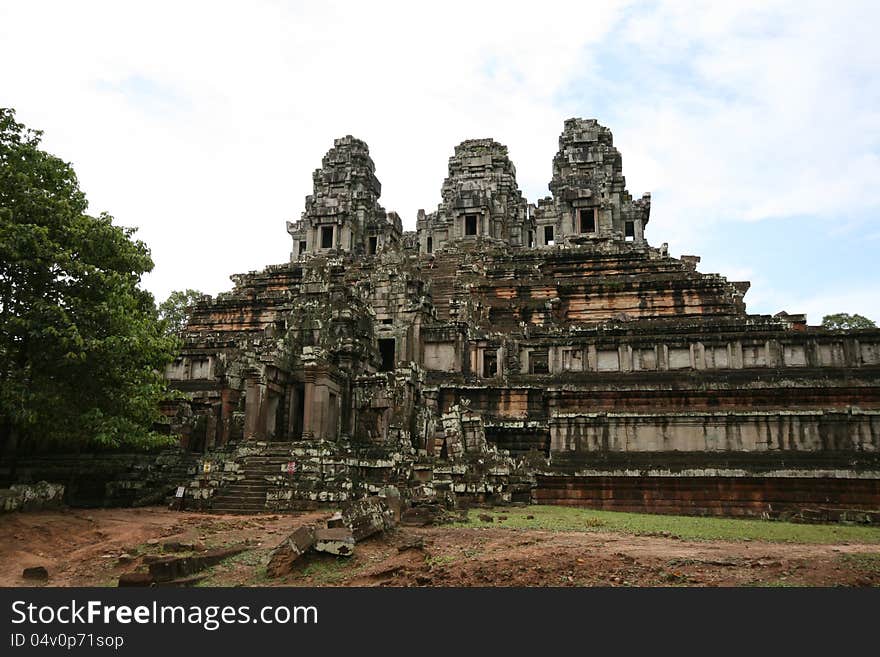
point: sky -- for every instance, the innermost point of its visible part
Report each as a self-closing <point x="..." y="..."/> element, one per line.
<point x="755" y="125"/>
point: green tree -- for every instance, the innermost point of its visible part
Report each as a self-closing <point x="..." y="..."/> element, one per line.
<point x="174" y="311"/>
<point x="845" y="321"/>
<point x="82" y="350"/>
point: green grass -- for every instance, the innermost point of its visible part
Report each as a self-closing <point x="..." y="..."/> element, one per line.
<point x="775" y="584"/>
<point x="560" y="518"/>
<point x="440" y="560"/>
<point x="224" y="573"/>
<point x="326" y="569"/>
<point x="868" y="562"/>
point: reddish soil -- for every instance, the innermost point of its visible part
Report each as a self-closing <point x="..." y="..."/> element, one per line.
<point x="93" y="547"/>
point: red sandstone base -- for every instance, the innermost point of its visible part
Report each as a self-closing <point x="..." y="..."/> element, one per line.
<point x="717" y="496"/>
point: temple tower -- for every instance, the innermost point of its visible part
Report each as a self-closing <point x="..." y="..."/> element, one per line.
<point x="343" y="213"/>
<point x="481" y="201"/>
<point x="590" y="201"/>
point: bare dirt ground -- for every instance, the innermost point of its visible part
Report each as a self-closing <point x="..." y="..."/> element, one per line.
<point x="93" y="547"/>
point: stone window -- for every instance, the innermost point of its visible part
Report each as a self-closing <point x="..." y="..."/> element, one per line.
<point x="679" y="358"/>
<point x="548" y="235"/>
<point x="490" y="363"/>
<point x="608" y="360"/>
<point x="430" y="245"/>
<point x="372" y="245"/>
<point x="386" y="351"/>
<point x="326" y="237"/>
<point x="629" y="230"/>
<point x="573" y="360"/>
<point x="754" y="356"/>
<point x="539" y="363"/>
<point x="470" y="224"/>
<point x="588" y="220"/>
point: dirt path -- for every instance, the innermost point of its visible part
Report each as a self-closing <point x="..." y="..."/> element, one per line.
<point x="94" y="547"/>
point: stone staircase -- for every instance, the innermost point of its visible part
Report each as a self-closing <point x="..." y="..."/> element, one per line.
<point x="442" y="277"/>
<point x="248" y="495"/>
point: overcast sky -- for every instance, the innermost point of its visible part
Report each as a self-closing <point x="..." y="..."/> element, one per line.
<point x="756" y="126"/>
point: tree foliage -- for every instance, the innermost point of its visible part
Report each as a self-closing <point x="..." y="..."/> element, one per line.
<point x="175" y="309"/>
<point x="846" y="321"/>
<point x="81" y="347"/>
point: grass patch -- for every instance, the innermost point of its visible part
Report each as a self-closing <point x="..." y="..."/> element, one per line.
<point x="775" y="584"/>
<point x="326" y="570"/>
<point x="561" y="518"/>
<point x="868" y="562"/>
<point x="439" y="560"/>
<point x="229" y="572"/>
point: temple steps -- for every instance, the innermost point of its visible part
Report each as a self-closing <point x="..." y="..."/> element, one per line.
<point x="249" y="494"/>
<point x="443" y="276"/>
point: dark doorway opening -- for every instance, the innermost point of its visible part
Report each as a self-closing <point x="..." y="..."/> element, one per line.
<point x="490" y="363"/>
<point x="430" y="246"/>
<point x="298" y="411"/>
<point x="629" y="230"/>
<point x="302" y="247"/>
<point x="386" y="351"/>
<point x="539" y="363"/>
<point x="327" y="237"/>
<point x="470" y="224"/>
<point x="588" y="220"/>
<point x="373" y="243"/>
<point x="548" y="234"/>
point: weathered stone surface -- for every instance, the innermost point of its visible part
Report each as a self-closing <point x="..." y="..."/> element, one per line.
<point x="31" y="497"/>
<point x="367" y="517"/>
<point x="338" y="541"/>
<point x="481" y="201"/>
<point x="136" y="579"/>
<point x="36" y="573"/>
<point x="177" y="546"/>
<point x="300" y="541"/>
<point x="171" y="568"/>
<point x="509" y="352"/>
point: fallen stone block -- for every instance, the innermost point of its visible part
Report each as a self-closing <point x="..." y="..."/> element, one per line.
<point x="292" y="548"/>
<point x="170" y="568"/>
<point x="177" y="546"/>
<point x="335" y="540"/>
<point x="418" y="516"/>
<point x="412" y="543"/>
<point x="36" y="573"/>
<point x="485" y="517"/>
<point x="367" y="516"/>
<point x="136" y="579"/>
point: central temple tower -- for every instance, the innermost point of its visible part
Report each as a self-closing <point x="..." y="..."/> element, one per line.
<point x="343" y="212"/>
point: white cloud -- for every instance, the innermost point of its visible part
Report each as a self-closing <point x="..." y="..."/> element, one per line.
<point x="863" y="300"/>
<point x="202" y="122"/>
<point x="771" y="111"/>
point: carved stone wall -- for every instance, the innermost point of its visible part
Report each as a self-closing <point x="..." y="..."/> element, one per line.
<point x="474" y="357"/>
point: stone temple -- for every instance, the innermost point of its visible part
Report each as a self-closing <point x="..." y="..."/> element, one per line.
<point x="509" y="351"/>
